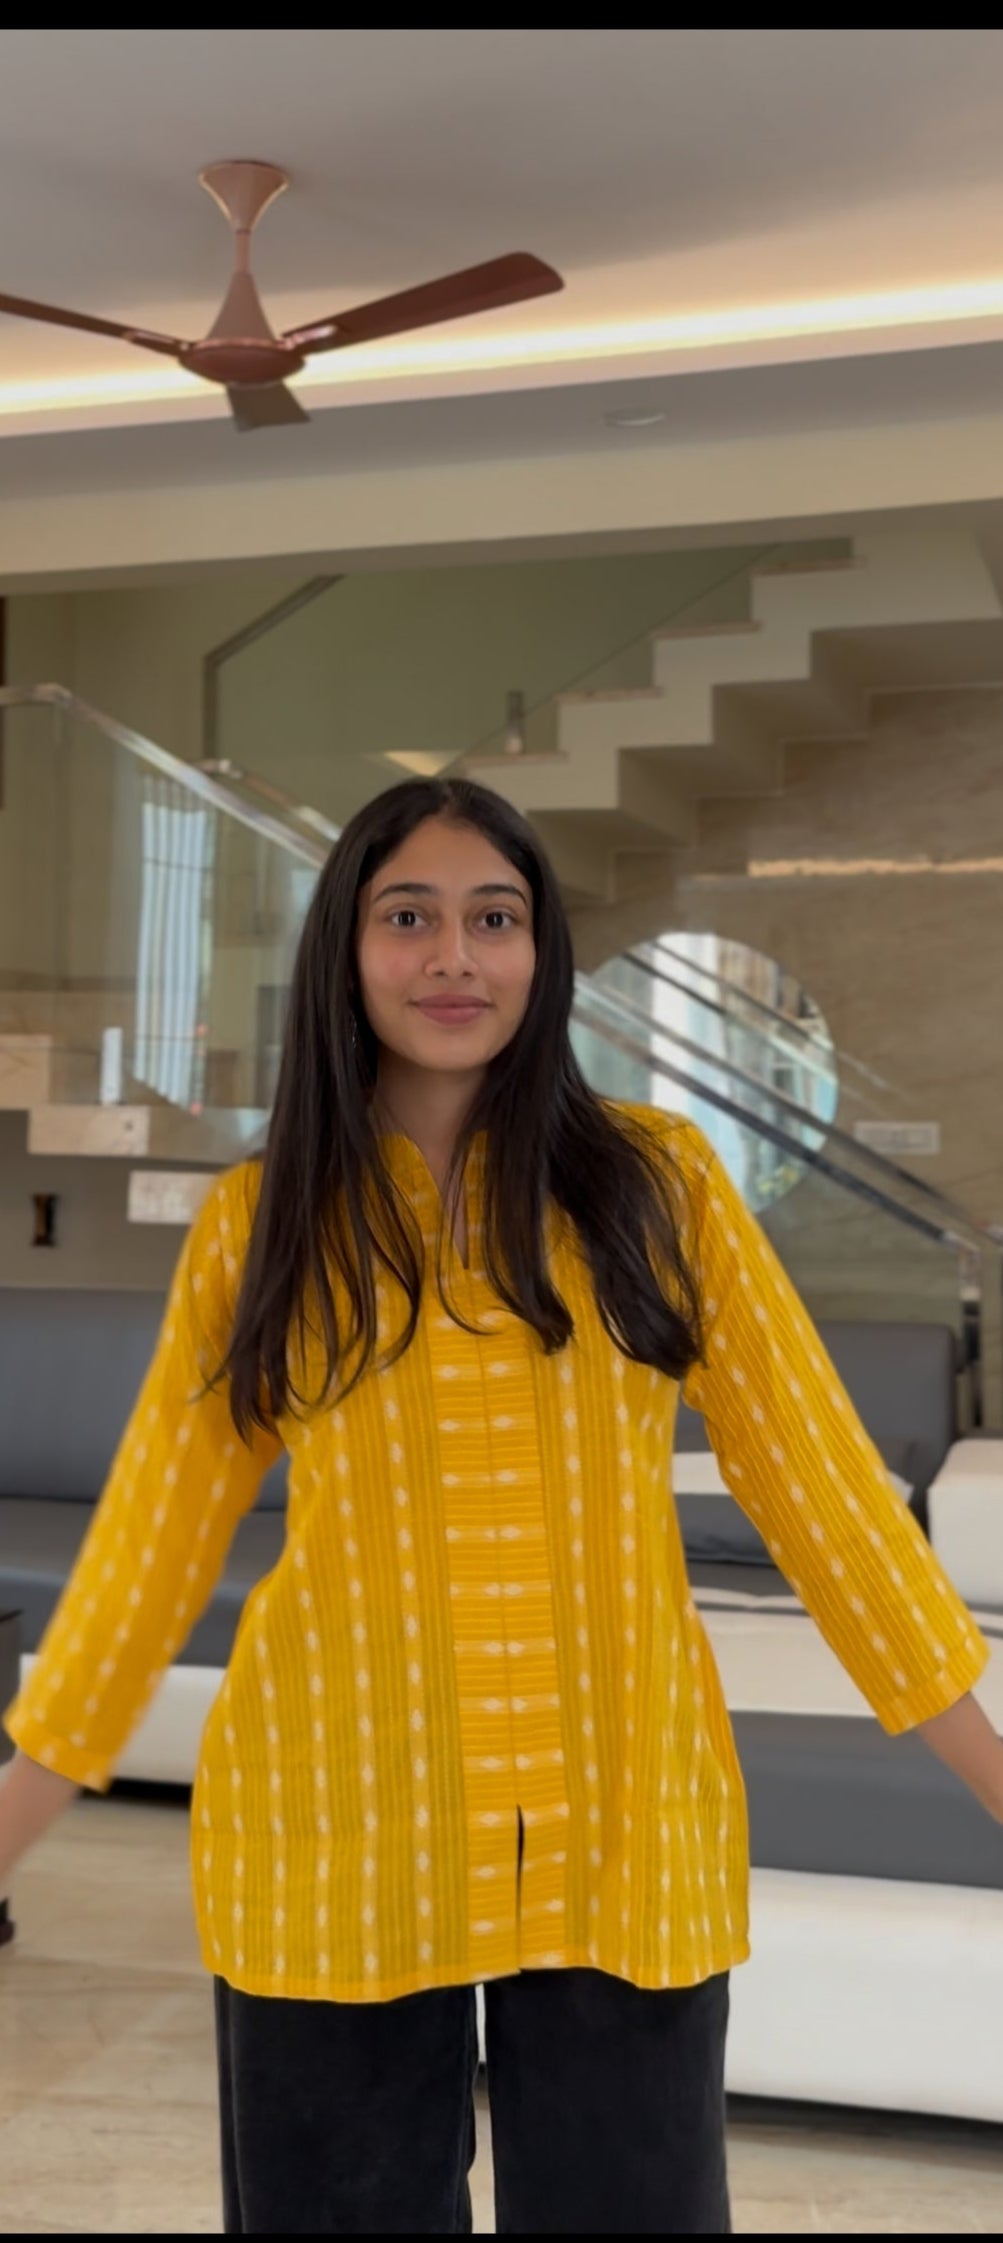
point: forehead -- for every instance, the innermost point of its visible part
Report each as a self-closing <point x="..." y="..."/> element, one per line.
<point x="449" y="858"/>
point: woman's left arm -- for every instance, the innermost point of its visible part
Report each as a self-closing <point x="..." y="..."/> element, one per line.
<point x="796" y="1457"/>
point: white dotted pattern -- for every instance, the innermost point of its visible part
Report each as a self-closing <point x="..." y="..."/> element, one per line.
<point x="365" y="1712"/>
<point x="584" y="1710"/>
<point x="421" y="1798"/>
<point x="276" y="1790"/>
<point x="318" y="1700"/>
<point x="627" y="1497"/>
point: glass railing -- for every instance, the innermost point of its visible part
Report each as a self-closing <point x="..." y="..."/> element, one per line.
<point x="672" y="999"/>
<point x="716" y="1034"/>
<point x="860" y="1236"/>
<point x="764" y="1075"/>
<point x="148" y="918"/>
<point x="608" y="1035"/>
<point x="529" y="725"/>
<point x="285" y="692"/>
<point x="149" y="913"/>
<point x="657" y="974"/>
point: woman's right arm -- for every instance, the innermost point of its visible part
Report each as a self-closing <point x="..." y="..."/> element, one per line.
<point x="31" y="1798"/>
<point x="157" y="1544"/>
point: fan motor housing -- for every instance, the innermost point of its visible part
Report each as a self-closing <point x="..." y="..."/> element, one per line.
<point x="233" y="359"/>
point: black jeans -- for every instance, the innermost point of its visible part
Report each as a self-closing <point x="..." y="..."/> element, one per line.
<point x="607" y="2109"/>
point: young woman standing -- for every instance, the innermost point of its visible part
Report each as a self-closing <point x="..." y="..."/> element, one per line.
<point x="471" y="1730"/>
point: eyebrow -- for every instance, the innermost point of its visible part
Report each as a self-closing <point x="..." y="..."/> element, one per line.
<point x="426" y="888"/>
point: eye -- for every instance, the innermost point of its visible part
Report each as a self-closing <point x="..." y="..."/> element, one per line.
<point x="498" y="918"/>
<point x="404" y="911"/>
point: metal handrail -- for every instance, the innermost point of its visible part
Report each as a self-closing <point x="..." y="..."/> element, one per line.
<point x="168" y="766"/>
<point x="616" y="1002"/>
<point x="961" y="1224"/>
<point x="737" y="997"/>
<point x="248" y="635"/>
<point x="298" y="813"/>
<point x="774" y="1039"/>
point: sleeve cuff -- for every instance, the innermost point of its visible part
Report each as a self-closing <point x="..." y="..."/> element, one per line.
<point x="938" y="1693"/>
<point x="79" y="1764"/>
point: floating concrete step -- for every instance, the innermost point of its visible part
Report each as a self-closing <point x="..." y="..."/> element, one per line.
<point x="221" y="1134"/>
<point x="25" y="1071"/>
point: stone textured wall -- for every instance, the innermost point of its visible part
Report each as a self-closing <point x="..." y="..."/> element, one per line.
<point x="876" y="876"/>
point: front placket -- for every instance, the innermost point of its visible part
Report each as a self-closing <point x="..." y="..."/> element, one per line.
<point x="506" y="1652"/>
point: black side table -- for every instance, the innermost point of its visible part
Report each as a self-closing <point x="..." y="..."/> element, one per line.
<point x="10" y="1668"/>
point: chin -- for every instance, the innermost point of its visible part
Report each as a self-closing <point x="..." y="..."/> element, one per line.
<point x="452" y="1050"/>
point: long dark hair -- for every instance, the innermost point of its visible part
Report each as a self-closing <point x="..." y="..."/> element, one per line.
<point x="328" y="1204"/>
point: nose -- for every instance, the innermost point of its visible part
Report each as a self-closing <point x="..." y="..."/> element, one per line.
<point x="449" y="952"/>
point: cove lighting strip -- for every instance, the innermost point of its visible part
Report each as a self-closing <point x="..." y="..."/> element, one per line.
<point x="483" y="352"/>
<point x="854" y="868"/>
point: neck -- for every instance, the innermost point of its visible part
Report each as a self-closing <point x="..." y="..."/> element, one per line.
<point x="429" y="1107"/>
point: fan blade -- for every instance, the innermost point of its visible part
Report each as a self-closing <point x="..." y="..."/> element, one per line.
<point x="269" y="407"/>
<point x="22" y="307"/>
<point x="481" y="288"/>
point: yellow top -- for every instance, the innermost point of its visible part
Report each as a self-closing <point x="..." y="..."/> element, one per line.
<point x="481" y="1612"/>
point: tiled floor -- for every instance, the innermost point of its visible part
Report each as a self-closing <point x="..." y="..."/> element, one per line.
<point x="107" y="2081"/>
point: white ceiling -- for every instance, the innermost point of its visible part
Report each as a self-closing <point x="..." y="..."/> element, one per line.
<point x="892" y="389"/>
<point x="664" y="172"/>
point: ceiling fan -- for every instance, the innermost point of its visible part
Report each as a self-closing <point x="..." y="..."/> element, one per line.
<point x="241" y="351"/>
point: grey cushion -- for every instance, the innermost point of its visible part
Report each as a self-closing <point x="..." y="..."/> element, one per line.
<point x="272" y="1496"/>
<point x="902" y="1381"/>
<point x="39" y="1542"/>
<point x="835" y="1794"/>
<point x="747" y="1580"/>
<point x="71" y="1366"/>
<point x="715" y="1529"/>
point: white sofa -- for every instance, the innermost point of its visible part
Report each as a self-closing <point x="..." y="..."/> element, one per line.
<point x="874" y="1990"/>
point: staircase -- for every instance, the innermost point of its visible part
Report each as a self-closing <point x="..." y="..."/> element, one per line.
<point x="618" y="801"/>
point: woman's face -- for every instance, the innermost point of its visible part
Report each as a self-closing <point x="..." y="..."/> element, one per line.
<point x="445" y="949"/>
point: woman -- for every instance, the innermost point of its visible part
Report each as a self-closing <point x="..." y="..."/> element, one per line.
<point x="471" y="1729"/>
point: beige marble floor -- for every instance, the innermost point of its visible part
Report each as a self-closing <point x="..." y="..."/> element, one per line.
<point x="107" y="2082"/>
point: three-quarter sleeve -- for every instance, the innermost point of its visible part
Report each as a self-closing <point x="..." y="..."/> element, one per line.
<point x="157" y="1543"/>
<point x="796" y="1457"/>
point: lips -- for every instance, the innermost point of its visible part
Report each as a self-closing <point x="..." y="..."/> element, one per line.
<point x="451" y="1012"/>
